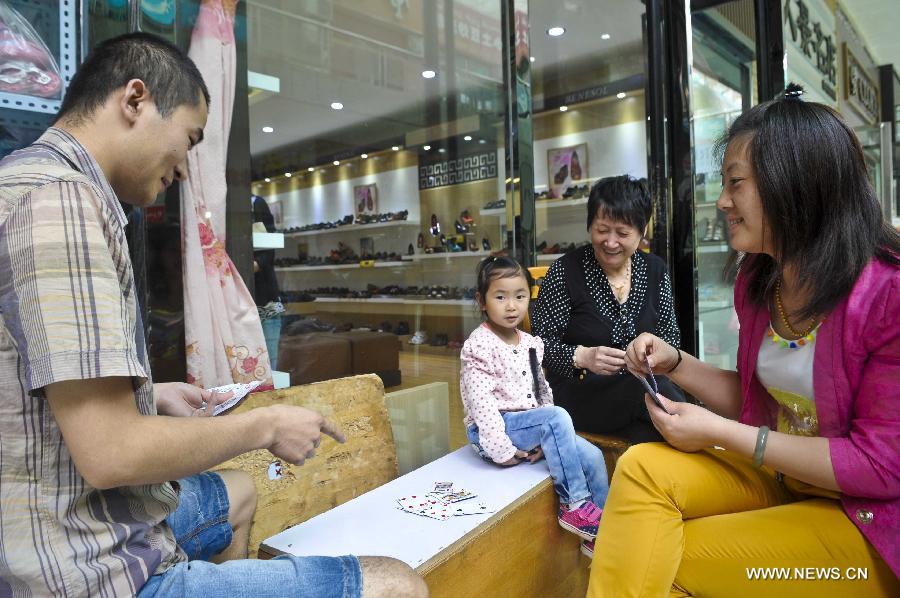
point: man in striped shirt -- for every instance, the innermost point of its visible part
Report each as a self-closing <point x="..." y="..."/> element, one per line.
<point x="87" y="443"/>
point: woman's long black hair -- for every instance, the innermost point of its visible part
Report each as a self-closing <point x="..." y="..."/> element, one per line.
<point x="822" y="211"/>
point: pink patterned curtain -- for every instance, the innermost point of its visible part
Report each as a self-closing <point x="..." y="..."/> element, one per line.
<point x="224" y="337"/>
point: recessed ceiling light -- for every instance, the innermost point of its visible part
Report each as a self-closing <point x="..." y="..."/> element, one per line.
<point x="268" y="130"/>
<point x="604" y="36"/>
<point x="556" y="31"/>
<point x="336" y="163"/>
<point x="287" y="174"/>
<point x="621" y="95"/>
<point x="441" y="150"/>
<point x="395" y="147"/>
<point x="364" y="156"/>
<point x="531" y="58"/>
<point x="426" y="147"/>
<point x="268" y="180"/>
<point x="429" y="74"/>
<point x="482" y="141"/>
<point x="563" y="108"/>
<point x="337" y="106"/>
<point x="310" y="169"/>
<point x="468" y="138"/>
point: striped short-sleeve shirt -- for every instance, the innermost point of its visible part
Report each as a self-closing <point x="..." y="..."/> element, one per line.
<point x="67" y="312"/>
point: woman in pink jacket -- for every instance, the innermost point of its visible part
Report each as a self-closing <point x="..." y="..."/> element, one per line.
<point x="805" y="497"/>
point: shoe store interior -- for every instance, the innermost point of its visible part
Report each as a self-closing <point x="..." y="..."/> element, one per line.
<point x="381" y="155"/>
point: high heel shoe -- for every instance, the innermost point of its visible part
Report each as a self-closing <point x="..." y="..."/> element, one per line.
<point x="435" y="226"/>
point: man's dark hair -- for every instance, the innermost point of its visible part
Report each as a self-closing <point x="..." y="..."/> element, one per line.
<point x="819" y="205"/>
<point x="622" y="198"/>
<point x="170" y="76"/>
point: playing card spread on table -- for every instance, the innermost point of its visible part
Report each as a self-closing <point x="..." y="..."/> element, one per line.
<point x="425" y="506"/>
<point x="458" y="495"/>
<point x="471" y="509"/>
<point x="442" y="487"/>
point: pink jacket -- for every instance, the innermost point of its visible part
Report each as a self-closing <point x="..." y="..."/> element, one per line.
<point x="856" y="383"/>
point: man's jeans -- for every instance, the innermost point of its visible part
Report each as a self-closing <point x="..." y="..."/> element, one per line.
<point x="576" y="466"/>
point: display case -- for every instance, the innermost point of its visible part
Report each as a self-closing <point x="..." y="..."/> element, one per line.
<point x="24" y="116"/>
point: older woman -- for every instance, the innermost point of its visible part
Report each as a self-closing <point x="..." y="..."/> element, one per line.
<point x="596" y="300"/>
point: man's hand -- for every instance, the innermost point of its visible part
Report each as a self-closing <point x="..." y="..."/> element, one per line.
<point x="179" y="399"/>
<point x="297" y="432"/>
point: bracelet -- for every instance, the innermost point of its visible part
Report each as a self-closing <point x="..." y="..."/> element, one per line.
<point x="677" y="363"/>
<point x="761" y="437"/>
<point x="574" y="361"/>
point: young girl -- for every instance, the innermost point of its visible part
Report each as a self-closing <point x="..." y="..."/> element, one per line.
<point x="509" y="411"/>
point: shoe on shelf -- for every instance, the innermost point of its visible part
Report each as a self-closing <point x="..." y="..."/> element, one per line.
<point x="582" y="521"/>
<point x="410" y="250"/>
<point x="466" y="218"/>
<point x="486" y="244"/>
<point x="587" y="548"/>
<point x="435" y="228"/>
<point x="718" y="231"/>
<point x="420" y="338"/>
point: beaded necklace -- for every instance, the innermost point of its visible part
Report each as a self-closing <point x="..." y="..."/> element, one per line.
<point x="801" y="337"/>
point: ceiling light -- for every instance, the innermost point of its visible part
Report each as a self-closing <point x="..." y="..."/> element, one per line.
<point x="531" y="58"/>
<point x="268" y="130"/>
<point x="337" y="106"/>
<point x="364" y="156"/>
<point x="604" y="36"/>
<point x="621" y="95"/>
<point x="468" y="138"/>
<point x="441" y="150"/>
<point x="426" y="147"/>
<point x="268" y="180"/>
<point x="482" y="141"/>
<point x="429" y="74"/>
<point x="563" y="108"/>
<point x="395" y="147"/>
<point x="310" y="169"/>
<point x="556" y="31"/>
<point x="336" y="163"/>
<point x="287" y="174"/>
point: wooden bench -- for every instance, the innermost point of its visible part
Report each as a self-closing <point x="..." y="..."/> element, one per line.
<point x="338" y="472"/>
<point x="463" y="556"/>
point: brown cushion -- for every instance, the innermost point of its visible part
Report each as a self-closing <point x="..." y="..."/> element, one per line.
<point x="372" y="351"/>
<point x="314" y="356"/>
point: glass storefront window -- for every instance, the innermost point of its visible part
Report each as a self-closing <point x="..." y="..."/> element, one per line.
<point x="376" y="134"/>
<point x="589" y="112"/>
<point x="722" y="86"/>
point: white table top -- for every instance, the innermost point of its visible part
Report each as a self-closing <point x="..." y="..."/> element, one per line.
<point x="371" y="524"/>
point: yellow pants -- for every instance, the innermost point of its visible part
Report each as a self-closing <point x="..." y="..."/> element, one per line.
<point x="703" y="524"/>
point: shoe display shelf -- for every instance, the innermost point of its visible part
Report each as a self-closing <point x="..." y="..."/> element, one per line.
<point x="541" y="204"/>
<point x="377" y="264"/>
<point x="450" y="255"/>
<point x="354" y="228"/>
<point x="713" y="247"/>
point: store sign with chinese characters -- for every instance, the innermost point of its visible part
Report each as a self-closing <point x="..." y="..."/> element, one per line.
<point x="809" y="40"/>
<point x="859" y="89"/>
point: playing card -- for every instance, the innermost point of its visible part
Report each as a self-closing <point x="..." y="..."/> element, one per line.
<point x="425" y="506"/>
<point x="472" y="508"/>
<point x="240" y="391"/>
<point x="452" y="497"/>
<point x="442" y="487"/>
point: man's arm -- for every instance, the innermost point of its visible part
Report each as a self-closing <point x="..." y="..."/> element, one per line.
<point x="113" y="445"/>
